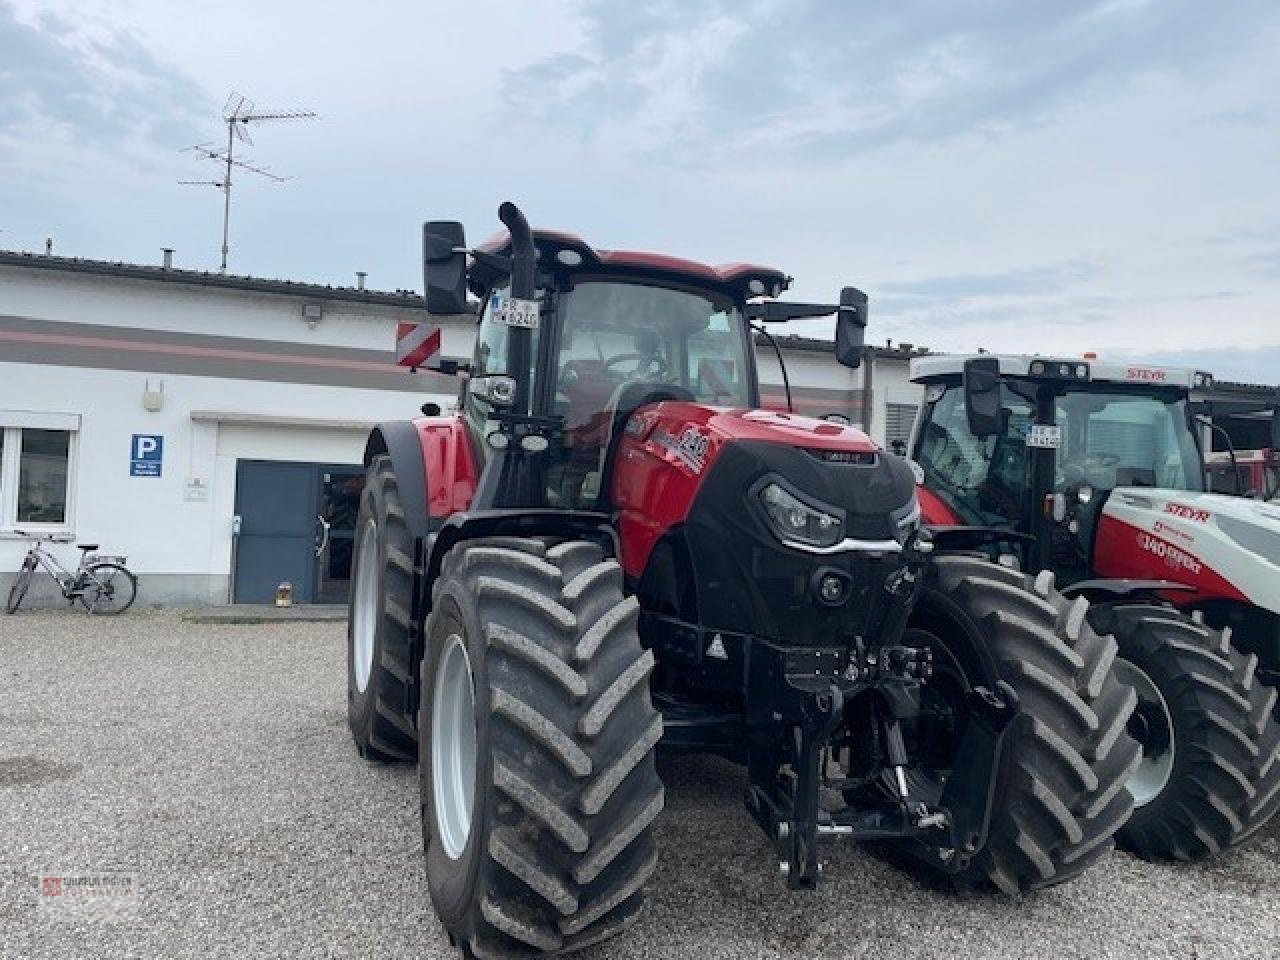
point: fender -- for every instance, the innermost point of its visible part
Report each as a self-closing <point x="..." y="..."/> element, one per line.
<point x="1115" y="590"/>
<point x="435" y="467"/>
<point x="399" y="440"/>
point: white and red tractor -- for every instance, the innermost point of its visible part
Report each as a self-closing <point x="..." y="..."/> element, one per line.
<point x="1094" y="471"/>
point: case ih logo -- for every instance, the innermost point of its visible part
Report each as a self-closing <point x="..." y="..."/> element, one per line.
<point x="1146" y="374"/>
<point x="1172" y="556"/>
<point x="691" y="446"/>
<point x="1187" y="513"/>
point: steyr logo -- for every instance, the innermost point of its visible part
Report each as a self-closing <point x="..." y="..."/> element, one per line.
<point x="1146" y="374"/>
<point x="1187" y="513"/>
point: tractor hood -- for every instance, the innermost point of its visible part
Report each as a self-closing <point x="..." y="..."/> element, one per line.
<point x="722" y="424"/>
<point x="1227" y="547"/>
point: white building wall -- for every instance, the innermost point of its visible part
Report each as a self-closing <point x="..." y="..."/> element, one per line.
<point x="181" y="548"/>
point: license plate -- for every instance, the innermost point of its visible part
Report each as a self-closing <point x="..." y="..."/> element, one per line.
<point x="519" y="313"/>
<point x="1045" y="436"/>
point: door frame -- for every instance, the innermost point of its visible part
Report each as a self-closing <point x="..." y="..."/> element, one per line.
<point x="306" y="591"/>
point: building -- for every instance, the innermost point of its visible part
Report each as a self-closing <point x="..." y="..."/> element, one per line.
<point x="209" y="427"/>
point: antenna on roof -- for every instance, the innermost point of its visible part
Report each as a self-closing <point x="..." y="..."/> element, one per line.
<point x="238" y="114"/>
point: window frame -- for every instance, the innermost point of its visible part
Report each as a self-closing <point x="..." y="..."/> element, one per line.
<point x="13" y="424"/>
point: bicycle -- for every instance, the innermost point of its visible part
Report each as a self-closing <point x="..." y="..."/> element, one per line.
<point x="101" y="583"/>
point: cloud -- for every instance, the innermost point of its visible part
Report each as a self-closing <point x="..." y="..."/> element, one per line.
<point x="1020" y="282"/>
<point x="104" y="90"/>
<point x="815" y="79"/>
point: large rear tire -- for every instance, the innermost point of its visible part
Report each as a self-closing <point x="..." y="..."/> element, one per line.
<point x="378" y="661"/>
<point x="1210" y="772"/>
<point x="537" y="776"/>
<point x="1060" y="794"/>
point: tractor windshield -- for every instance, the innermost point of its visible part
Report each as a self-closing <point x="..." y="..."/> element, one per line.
<point x="1109" y="438"/>
<point x="622" y="341"/>
<point x="1121" y="439"/>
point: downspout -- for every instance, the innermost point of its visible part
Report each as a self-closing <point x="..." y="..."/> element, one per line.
<point x="868" y="391"/>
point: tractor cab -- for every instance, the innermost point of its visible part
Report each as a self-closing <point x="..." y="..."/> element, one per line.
<point x="572" y="340"/>
<point x="1037" y="444"/>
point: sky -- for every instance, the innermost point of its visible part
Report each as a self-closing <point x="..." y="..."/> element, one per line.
<point x="1021" y="176"/>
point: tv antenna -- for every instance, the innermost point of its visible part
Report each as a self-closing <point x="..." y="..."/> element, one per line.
<point x="239" y="114"/>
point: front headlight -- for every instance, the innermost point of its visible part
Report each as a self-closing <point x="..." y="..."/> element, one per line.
<point x="795" y="521"/>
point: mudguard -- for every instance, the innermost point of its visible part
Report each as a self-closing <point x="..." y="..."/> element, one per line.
<point x="1116" y="589"/>
<point x="399" y="440"/>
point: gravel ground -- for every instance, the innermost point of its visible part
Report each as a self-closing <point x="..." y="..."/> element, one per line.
<point x="213" y="764"/>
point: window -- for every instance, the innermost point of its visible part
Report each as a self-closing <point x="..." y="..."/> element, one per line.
<point x="37" y="454"/>
<point x="490" y="358"/>
<point x="624" y="340"/>
<point x="1125" y="439"/>
<point x="986" y="480"/>
<point x="898" y="421"/>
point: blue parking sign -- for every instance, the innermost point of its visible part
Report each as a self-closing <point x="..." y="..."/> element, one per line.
<point x="146" y="455"/>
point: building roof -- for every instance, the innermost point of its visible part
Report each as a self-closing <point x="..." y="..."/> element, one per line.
<point x="224" y="281"/>
<point x="904" y="351"/>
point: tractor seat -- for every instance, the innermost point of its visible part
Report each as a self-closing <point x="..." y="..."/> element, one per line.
<point x="87" y="547"/>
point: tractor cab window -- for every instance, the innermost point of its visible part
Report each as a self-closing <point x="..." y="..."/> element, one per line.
<point x="491" y="357"/>
<point x="985" y="480"/>
<point x="622" y="344"/>
<point x="1118" y="439"/>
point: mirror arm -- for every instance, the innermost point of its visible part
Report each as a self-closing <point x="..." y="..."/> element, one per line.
<point x="777" y="311"/>
<point x="493" y="261"/>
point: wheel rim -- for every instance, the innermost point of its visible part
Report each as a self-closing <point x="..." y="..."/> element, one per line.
<point x="453" y="746"/>
<point x="1152" y="727"/>
<point x="364" y="616"/>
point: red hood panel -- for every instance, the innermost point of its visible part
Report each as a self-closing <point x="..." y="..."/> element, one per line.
<point x="790" y="428"/>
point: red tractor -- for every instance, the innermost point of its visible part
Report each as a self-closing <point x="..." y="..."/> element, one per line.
<point x="1094" y="470"/>
<point x="611" y="547"/>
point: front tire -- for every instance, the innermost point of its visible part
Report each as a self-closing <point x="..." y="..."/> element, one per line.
<point x="538" y="813"/>
<point x="20" y="585"/>
<point x="1210" y="773"/>
<point x="378" y="661"/>
<point x="1060" y="794"/>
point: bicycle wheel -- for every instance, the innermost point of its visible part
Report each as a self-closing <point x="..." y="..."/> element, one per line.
<point x="108" y="589"/>
<point x="20" y="585"/>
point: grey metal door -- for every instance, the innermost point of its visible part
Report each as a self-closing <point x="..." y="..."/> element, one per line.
<point x="276" y="506"/>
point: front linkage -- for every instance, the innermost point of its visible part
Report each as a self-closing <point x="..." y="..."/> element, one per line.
<point x="811" y="694"/>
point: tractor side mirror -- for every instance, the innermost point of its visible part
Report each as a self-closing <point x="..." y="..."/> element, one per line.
<point x="444" y="266"/>
<point x="982" y="396"/>
<point x="851" y="327"/>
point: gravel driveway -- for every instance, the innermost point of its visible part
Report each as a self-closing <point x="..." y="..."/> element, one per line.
<point x="211" y="767"/>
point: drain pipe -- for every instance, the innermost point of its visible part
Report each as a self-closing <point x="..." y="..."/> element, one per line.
<point x="868" y="388"/>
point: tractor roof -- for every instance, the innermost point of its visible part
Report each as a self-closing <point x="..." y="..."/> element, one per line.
<point x="556" y="251"/>
<point x="1087" y="370"/>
